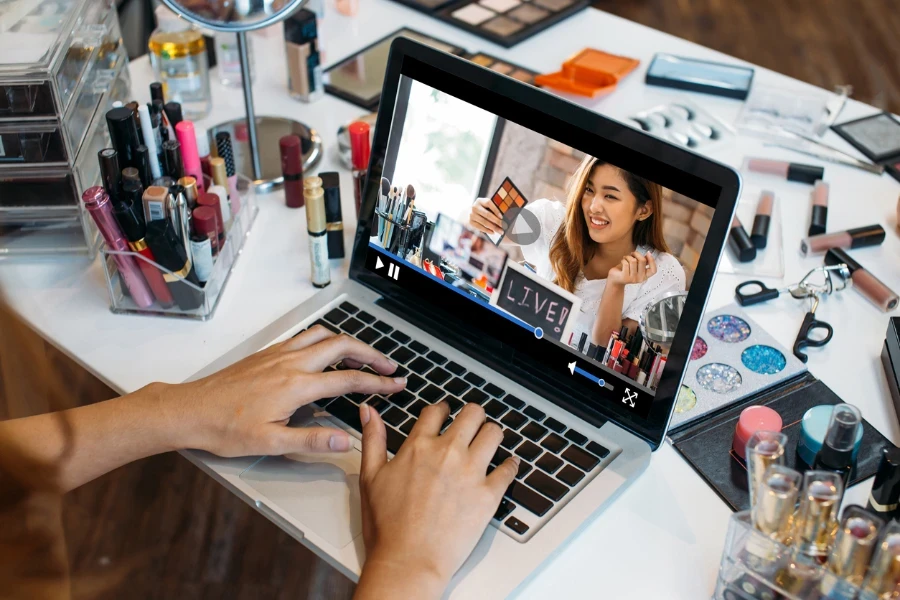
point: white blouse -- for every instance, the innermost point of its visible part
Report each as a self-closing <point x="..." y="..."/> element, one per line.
<point x="669" y="275"/>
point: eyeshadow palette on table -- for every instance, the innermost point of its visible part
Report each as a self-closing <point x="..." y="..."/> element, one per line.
<point x="504" y="22"/>
<point x="734" y="364"/>
<point x="878" y="137"/>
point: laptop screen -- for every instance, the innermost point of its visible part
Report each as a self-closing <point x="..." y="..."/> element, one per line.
<point x="589" y="250"/>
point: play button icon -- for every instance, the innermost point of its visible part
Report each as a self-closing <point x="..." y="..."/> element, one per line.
<point x="378" y="263"/>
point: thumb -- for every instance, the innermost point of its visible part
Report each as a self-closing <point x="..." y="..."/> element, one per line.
<point x="374" y="442"/>
<point x="310" y="439"/>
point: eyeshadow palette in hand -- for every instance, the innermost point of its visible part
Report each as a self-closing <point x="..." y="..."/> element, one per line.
<point x="510" y="202"/>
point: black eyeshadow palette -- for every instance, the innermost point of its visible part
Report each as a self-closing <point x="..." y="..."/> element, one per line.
<point x="878" y="137"/>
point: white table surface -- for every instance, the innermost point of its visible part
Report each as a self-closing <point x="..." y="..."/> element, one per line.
<point x="663" y="537"/>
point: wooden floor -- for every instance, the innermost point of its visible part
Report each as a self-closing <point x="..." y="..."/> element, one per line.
<point x="161" y="529"/>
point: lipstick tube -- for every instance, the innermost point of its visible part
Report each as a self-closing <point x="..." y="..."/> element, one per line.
<point x="96" y="202"/>
<point x="775" y="501"/>
<point x="170" y="254"/>
<point x="764" y="449"/>
<point x="816" y="518"/>
<point x="863" y="281"/>
<point x="858" y="237"/>
<point x="152" y="140"/>
<point x="883" y="580"/>
<point x="292" y="170"/>
<point x="331" y="184"/>
<point x="123" y="134"/>
<point x="190" y="158"/>
<point x="759" y="235"/>
<point x="740" y="243"/>
<point x="853" y="547"/>
<point x="110" y="173"/>
<point x="212" y="201"/>
<point x="226" y="153"/>
<point x="174" y="114"/>
<point x="205" y="223"/>
<point x="884" y="499"/>
<point x="818" y="218"/>
<point x="320" y="270"/>
<point x="790" y="171"/>
<point x="836" y="453"/>
<point x="172" y="159"/>
<point x="360" y="149"/>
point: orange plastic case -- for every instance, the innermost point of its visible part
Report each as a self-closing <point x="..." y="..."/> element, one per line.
<point x="589" y="73"/>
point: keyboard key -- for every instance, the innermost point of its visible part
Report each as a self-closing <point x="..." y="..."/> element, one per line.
<point x="548" y="463"/>
<point x="528" y="498"/>
<point x="400" y="336"/>
<point x="394" y="416"/>
<point x="447" y="423"/>
<point x="517" y="525"/>
<point x="383" y="327"/>
<point x="438" y="375"/>
<point x="421" y="365"/>
<point x="595" y="448"/>
<point x="437" y="358"/>
<point x="456" y="386"/>
<point x="357" y="398"/>
<point x="348" y="308"/>
<point x="524" y="469"/>
<point x="574" y="436"/>
<point x="511" y="439"/>
<point x="335" y="316"/>
<point x="366" y="317"/>
<point x="402" y="355"/>
<point x="432" y="394"/>
<point x="499" y="456"/>
<point x="554" y="443"/>
<point x="379" y="403"/>
<point x="324" y="402"/>
<point x="417" y="408"/>
<point x="554" y="425"/>
<point x="493" y="390"/>
<point x="474" y="379"/>
<point x="352" y="325"/>
<point x="395" y="439"/>
<point x="455" y="368"/>
<point x="419" y="347"/>
<point x="476" y="396"/>
<point x="533" y="431"/>
<point x="534" y="413"/>
<point x="368" y="335"/>
<point x="570" y="475"/>
<point x="326" y="325"/>
<point x="385" y="345"/>
<point x="455" y="404"/>
<point x="504" y="509"/>
<point x="402" y="398"/>
<point x="580" y="458"/>
<point x="495" y="408"/>
<point x="528" y="451"/>
<point x="547" y="486"/>
<point x="414" y="383"/>
<point x="347" y="412"/>
<point x="514" y="419"/>
<point x="514" y="402"/>
<point x="407" y="427"/>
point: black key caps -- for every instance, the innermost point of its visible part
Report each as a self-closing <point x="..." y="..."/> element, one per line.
<point x="326" y="325"/>
<point x="554" y="443"/>
<point x="514" y="402"/>
<point x="493" y="390"/>
<point x="514" y="419"/>
<point x="455" y="368"/>
<point x="402" y="398"/>
<point x="352" y="325"/>
<point x="402" y="355"/>
<point x="517" y="525"/>
<point x="574" y="436"/>
<point x="347" y="412"/>
<point x="368" y="335"/>
<point x="499" y="456"/>
<point x="348" y="308"/>
<point x="383" y="327"/>
<point x="510" y="439"/>
<point x="528" y="451"/>
<point x="456" y="386"/>
<point x="438" y="375"/>
<point x="455" y="404"/>
<point x="432" y="394"/>
<point x="495" y="408"/>
<point x="547" y="485"/>
<point x="554" y="425"/>
<point x="407" y="427"/>
<point x="400" y="336"/>
<point x="395" y="439"/>
<point x="476" y="396"/>
<point x="580" y="458"/>
<point x="447" y="423"/>
<point x="385" y="345"/>
<point x="394" y="416"/>
<point x="534" y="413"/>
<point x="379" y="403"/>
<point x="419" y="347"/>
<point x="335" y="316"/>
<point x="357" y="398"/>
<point x="521" y="494"/>
<point x="436" y="358"/>
<point x="417" y="407"/>
<point x="548" y="463"/>
<point x="414" y="383"/>
<point x="524" y="469"/>
<point x="504" y="509"/>
<point x="570" y="475"/>
<point x="421" y="365"/>
<point x="366" y="318"/>
<point x="533" y="431"/>
<point x="595" y="448"/>
<point x="474" y="379"/>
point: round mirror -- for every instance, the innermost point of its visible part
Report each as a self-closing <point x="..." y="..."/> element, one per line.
<point x="234" y="15"/>
<point x="660" y="319"/>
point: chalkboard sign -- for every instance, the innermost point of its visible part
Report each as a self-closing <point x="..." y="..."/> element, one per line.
<point x="538" y="302"/>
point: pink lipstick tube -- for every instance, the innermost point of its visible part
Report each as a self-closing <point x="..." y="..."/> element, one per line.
<point x="859" y="237"/>
<point x="96" y="202"/>
<point x="190" y="158"/>
<point x="864" y="282"/>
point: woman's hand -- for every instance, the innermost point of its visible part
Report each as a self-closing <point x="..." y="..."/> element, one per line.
<point x="244" y="409"/>
<point x="424" y="511"/>
<point x="634" y="268"/>
<point x="486" y="217"/>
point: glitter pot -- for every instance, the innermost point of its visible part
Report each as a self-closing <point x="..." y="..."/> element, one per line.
<point x="765" y="360"/>
<point x="728" y="328"/>
<point x="687" y="400"/>
<point x="719" y="378"/>
<point x="700" y="348"/>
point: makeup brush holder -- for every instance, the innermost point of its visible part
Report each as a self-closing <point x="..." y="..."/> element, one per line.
<point x="397" y="236"/>
<point x="202" y="300"/>
<point x="755" y="567"/>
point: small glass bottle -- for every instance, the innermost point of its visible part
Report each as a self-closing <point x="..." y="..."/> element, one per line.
<point x="178" y="56"/>
<point x="228" y="59"/>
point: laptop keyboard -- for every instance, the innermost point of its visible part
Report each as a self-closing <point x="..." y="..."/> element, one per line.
<point x="554" y="458"/>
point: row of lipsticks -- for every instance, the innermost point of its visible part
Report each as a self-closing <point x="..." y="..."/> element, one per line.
<point x="166" y="197"/>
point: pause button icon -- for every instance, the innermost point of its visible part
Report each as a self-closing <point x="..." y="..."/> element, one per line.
<point x="394" y="271"/>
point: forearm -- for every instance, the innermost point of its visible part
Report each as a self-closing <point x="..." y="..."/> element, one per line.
<point x="609" y="314"/>
<point x="63" y="450"/>
<point x="384" y="579"/>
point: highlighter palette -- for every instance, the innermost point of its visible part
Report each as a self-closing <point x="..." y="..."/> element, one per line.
<point x="732" y="358"/>
<point x="510" y="201"/>
<point x="878" y="137"/>
<point x="503" y="67"/>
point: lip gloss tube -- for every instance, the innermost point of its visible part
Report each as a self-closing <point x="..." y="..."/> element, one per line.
<point x="864" y="282"/>
<point x="759" y="235"/>
<point x="331" y="185"/>
<point x="292" y="170"/>
<point x="96" y="202"/>
<point x="858" y="237"/>
<point x="818" y="218"/>
<point x="740" y="242"/>
<point x="316" y="223"/>
<point x="819" y="502"/>
<point x="190" y="158"/>
<point x="790" y="171"/>
<point x="226" y="153"/>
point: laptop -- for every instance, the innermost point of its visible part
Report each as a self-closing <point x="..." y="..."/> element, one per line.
<point x="471" y="317"/>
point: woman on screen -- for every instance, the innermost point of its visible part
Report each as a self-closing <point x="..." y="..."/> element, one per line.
<point x="605" y="245"/>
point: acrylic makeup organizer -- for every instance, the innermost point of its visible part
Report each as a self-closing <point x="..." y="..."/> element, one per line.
<point x="400" y="229"/>
<point x="211" y="292"/>
<point x="755" y="567"/>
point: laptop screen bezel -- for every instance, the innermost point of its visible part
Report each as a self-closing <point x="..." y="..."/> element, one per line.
<point x="514" y="351"/>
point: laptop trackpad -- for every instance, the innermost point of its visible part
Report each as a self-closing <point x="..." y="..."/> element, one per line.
<point x="321" y="491"/>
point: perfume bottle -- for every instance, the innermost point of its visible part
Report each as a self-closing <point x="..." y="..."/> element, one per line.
<point x="179" y="60"/>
